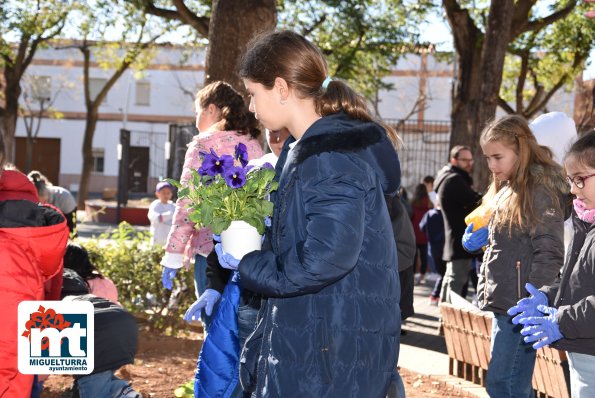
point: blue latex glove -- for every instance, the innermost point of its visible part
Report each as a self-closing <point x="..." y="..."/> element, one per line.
<point x="225" y="259"/>
<point x="217" y="238"/>
<point x="473" y="241"/>
<point x="543" y="329"/>
<point x="207" y="300"/>
<point x="167" y="277"/>
<point x="527" y="307"/>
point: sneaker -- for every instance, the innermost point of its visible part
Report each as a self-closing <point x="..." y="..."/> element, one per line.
<point x="434" y="301"/>
<point x="128" y="392"/>
<point x="416" y="278"/>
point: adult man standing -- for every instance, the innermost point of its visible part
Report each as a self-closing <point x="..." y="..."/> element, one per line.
<point x="457" y="198"/>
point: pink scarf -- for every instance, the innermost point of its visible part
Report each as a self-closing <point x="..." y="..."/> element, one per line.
<point x="587" y="215"/>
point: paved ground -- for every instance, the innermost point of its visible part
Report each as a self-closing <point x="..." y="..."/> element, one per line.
<point x="423" y="350"/>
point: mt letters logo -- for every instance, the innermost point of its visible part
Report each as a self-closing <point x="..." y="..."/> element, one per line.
<point x="56" y="337"/>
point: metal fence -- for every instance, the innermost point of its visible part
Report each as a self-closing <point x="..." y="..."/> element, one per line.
<point x="425" y="148"/>
<point x="424" y="152"/>
<point x="156" y="142"/>
<point x="179" y="137"/>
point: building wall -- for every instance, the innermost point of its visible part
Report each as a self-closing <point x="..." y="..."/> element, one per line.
<point x="173" y="78"/>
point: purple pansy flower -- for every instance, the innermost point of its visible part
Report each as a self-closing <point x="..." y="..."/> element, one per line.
<point x="235" y="177"/>
<point x="213" y="165"/>
<point x="241" y="154"/>
<point x="267" y="165"/>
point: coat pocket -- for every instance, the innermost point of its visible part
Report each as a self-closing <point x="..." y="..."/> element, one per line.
<point x="324" y="347"/>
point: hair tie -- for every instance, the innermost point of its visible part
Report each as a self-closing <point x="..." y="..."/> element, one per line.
<point x="326" y="82"/>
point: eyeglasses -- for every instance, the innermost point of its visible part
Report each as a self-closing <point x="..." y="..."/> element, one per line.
<point x="578" y="181"/>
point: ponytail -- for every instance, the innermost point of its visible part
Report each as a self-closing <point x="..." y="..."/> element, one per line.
<point x="292" y="57"/>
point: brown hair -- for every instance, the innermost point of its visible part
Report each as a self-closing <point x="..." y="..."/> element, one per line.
<point x="292" y="57"/>
<point x="583" y="150"/>
<point x="457" y="149"/>
<point x="533" y="167"/>
<point x="234" y="111"/>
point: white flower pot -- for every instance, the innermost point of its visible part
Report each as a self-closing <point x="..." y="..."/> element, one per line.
<point x="240" y="238"/>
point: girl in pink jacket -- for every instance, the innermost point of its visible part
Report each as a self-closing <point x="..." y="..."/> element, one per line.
<point x="223" y="121"/>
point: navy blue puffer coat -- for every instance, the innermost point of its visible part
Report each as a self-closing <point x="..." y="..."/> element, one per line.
<point x="330" y="326"/>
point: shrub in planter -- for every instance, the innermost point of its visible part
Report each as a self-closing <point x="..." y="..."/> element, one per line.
<point x="127" y="257"/>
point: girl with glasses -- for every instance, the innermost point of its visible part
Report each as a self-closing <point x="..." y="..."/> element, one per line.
<point x="563" y="313"/>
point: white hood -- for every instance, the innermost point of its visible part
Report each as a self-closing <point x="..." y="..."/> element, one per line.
<point x="555" y="130"/>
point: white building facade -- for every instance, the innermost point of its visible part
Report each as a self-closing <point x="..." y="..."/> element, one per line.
<point x="147" y="103"/>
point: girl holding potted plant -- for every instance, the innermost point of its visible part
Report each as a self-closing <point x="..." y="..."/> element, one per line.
<point x="223" y="122"/>
<point x="330" y="323"/>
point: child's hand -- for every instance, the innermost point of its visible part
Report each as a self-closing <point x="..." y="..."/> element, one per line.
<point x="473" y="241"/>
<point x="167" y="277"/>
<point x="544" y="330"/>
<point x="527" y="307"/>
<point x="207" y="300"/>
<point x="226" y="260"/>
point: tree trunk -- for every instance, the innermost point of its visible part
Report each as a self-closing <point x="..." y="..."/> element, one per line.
<point x="29" y="156"/>
<point x="479" y="76"/>
<point x="12" y="92"/>
<point x="90" y="125"/>
<point x="233" y="24"/>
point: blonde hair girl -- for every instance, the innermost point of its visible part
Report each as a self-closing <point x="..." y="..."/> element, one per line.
<point x="524" y="243"/>
<point x="533" y="166"/>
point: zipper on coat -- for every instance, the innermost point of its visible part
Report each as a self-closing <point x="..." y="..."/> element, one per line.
<point x="518" y="279"/>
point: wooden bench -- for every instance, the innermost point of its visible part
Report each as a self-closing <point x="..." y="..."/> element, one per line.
<point x="467" y="333"/>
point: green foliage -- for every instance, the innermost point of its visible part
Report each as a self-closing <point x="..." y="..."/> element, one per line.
<point x="185" y="390"/>
<point x="554" y="56"/>
<point x="215" y="204"/>
<point x="361" y="39"/>
<point x="127" y="258"/>
<point x="26" y="22"/>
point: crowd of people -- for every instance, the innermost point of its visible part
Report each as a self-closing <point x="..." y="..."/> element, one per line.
<point x="317" y="312"/>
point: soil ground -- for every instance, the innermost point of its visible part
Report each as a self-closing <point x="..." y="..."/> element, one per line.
<point x="163" y="363"/>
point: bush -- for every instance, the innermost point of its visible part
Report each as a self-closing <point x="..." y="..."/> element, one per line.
<point x="127" y="257"/>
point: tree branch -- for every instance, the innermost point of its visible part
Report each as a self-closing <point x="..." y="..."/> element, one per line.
<point x="462" y="25"/>
<point x="541" y="23"/>
<point x="505" y="107"/>
<point x="182" y="14"/>
<point x="578" y="60"/>
<point x="520" y="87"/>
<point x="309" y="29"/>
<point x="539" y="90"/>
<point x="201" y="24"/>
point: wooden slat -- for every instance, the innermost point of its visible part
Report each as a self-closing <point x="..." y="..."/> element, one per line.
<point x="470" y="334"/>
<point x="540" y="375"/>
<point x="464" y="345"/>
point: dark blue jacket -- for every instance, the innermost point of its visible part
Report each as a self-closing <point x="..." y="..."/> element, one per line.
<point x="330" y="326"/>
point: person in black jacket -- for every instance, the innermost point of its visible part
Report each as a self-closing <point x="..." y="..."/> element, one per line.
<point x="563" y="314"/>
<point x="116" y="340"/>
<point x="457" y="199"/>
<point x="523" y="243"/>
